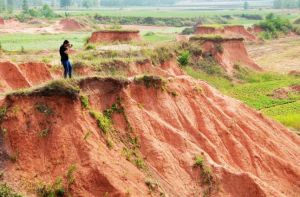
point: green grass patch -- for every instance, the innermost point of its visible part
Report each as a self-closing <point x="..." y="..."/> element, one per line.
<point x="33" y="42"/>
<point x="256" y="90"/>
<point x="103" y="121"/>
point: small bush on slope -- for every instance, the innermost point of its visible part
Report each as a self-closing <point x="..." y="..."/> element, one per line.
<point x="6" y="191"/>
<point x="184" y="58"/>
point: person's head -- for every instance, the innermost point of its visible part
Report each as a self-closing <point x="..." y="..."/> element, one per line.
<point x="66" y="43"/>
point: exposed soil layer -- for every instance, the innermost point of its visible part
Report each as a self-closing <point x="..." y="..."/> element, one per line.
<point x="239" y="30"/>
<point x="36" y="73"/>
<point x="228" y="53"/>
<point x="114" y="35"/>
<point x="248" y="154"/>
<point x="1" y="21"/>
<point x="11" y="77"/>
<point x="71" y="25"/>
<point x="232" y="31"/>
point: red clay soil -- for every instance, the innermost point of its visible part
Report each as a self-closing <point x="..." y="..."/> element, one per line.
<point x="232" y="31"/>
<point x="1" y="21"/>
<point x="255" y="29"/>
<point x="114" y="35"/>
<point x="71" y="25"/>
<point x="166" y="69"/>
<point x="36" y="73"/>
<point x="239" y="31"/>
<point x="233" y="51"/>
<point x="11" y="77"/>
<point x="249" y="154"/>
<point x="208" y="30"/>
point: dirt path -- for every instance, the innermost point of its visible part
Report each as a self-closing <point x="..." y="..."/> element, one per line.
<point x="282" y="55"/>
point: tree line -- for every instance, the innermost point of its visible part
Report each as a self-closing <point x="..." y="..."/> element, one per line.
<point x="280" y="4"/>
<point x="9" y="5"/>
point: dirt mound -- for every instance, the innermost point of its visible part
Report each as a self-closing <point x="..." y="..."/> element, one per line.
<point x="227" y="51"/>
<point x="1" y="21"/>
<point x="114" y="35"/>
<point x="11" y="77"/>
<point x="240" y="31"/>
<point x="35" y="73"/>
<point x="71" y="25"/>
<point x="208" y="30"/>
<point x="284" y="93"/>
<point x="231" y="31"/>
<point x="157" y="128"/>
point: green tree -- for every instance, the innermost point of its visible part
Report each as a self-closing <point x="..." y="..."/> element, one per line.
<point x="10" y="4"/>
<point x="87" y="3"/>
<point x="246" y="5"/>
<point x="25" y="7"/>
<point x="277" y="4"/>
<point x="2" y="6"/>
<point x="65" y="3"/>
<point x="47" y="12"/>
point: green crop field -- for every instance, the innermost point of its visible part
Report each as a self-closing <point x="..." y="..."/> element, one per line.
<point x="14" y="42"/>
<point x="256" y="94"/>
<point x="182" y="13"/>
<point x="37" y="42"/>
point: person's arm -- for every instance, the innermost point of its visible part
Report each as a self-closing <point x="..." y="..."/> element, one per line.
<point x="68" y="49"/>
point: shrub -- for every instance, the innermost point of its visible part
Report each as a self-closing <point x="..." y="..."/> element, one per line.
<point x="6" y="191"/>
<point x="44" y="133"/>
<point x="219" y="48"/>
<point x="70" y="174"/>
<point x="90" y="47"/>
<point x="199" y="161"/>
<point x="188" y="31"/>
<point x="210" y="66"/>
<point x="54" y="190"/>
<point x="150" y="33"/>
<point x="104" y="122"/>
<point x="3" y="111"/>
<point x="274" y="25"/>
<point x="184" y="58"/>
<point x="152" y="185"/>
<point x="85" y="101"/>
<point x="43" y="108"/>
<point x="151" y="81"/>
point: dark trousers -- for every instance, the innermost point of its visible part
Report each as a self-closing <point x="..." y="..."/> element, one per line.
<point x="67" y="68"/>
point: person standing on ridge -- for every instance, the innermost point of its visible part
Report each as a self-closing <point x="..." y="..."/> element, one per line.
<point x="64" y="54"/>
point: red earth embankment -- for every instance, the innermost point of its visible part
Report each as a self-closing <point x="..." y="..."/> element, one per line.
<point x="239" y="31"/>
<point x="71" y="25"/>
<point x="202" y="30"/>
<point x="167" y="123"/>
<point x="228" y="52"/>
<point x="36" y="73"/>
<point x="114" y="35"/>
<point x="1" y="21"/>
<point x="232" y="31"/>
<point x="11" y="77"/>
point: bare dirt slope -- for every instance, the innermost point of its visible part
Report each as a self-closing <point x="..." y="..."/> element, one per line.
<point x="162" y="124"/>
<point x="280" y="55"/>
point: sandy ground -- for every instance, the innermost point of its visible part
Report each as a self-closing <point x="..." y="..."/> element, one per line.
<point x="282" y="55"/>
<point x="13" y="26"/>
